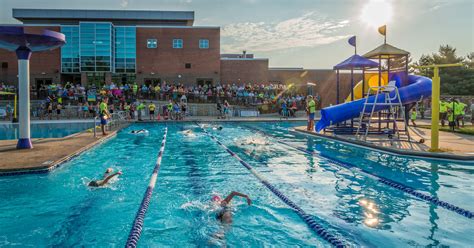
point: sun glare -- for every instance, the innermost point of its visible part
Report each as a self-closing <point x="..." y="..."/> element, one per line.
<point x="376" y="13"/>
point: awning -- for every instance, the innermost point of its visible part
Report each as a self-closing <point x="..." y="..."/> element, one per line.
<point x="356" y="62"/>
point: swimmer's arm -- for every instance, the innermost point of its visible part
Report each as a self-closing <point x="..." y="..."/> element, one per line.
<point x="107" y="179"/>
<point x="235" y="193"/>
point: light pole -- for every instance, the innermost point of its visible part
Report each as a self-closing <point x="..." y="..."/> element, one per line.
<point x="435" y="92"/>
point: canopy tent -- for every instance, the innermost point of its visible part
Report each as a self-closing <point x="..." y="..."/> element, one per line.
<point x="355" y="62"/>
<point x="386" y="51"/>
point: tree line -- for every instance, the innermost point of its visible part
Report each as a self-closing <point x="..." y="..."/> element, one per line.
<point x="454" y="80"/>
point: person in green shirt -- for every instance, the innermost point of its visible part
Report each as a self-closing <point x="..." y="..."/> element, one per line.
<point x="170" y="109"/>
<point x="140" y="107"/>
<point x="461" y="111"/>
<point x="311" y="110"/>
<point x="413" y="117"/>
<point x="103" y="114"/>
<point x="443" y="111"/>
<point x="135" y="89"/>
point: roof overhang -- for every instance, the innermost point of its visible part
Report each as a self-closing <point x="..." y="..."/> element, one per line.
<point x="119" y="17"/>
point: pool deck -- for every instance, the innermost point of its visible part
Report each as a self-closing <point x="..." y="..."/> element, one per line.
<point x="47" y="154"/>
<point x="455" y="146"/>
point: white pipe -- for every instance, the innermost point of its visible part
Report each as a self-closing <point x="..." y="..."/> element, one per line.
<point x="24" y="106"/>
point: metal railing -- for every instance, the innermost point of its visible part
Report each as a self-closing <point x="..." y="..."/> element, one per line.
<point x="115" y="120"/>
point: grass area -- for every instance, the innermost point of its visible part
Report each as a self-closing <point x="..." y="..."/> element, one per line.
<point x="469" y="130"/>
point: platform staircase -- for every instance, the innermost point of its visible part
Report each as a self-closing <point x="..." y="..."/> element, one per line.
<point x="391" y="121"/>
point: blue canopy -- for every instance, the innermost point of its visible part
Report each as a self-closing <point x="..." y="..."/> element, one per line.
<point x="356" y="62"/>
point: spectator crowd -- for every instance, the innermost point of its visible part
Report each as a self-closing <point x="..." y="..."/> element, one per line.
<point x="56" y="98"/>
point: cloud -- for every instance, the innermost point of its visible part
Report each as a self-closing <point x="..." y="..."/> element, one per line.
<point x="124" y="3"/>
<point x="309" y="30"/>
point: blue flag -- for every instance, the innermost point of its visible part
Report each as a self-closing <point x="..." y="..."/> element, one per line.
<point x="352" y="41"/>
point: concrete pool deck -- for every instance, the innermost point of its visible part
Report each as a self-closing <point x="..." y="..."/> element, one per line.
<point x="47" y="153"/>
<point x="454" y="146"/>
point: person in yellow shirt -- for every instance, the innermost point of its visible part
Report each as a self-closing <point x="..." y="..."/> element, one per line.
<point x="311" y="110"/>
<point x="151" y="110"/>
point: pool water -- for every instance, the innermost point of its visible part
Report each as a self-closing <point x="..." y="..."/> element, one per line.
<point x="44" y="130"/>
<point x="58" y="209"/>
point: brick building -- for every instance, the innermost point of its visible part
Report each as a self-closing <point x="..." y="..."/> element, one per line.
<point x="148" y="47"/>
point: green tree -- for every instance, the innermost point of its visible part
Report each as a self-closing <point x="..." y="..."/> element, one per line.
<point x="470" y="60"/>
<point x="424" y="60"/>
<point x="454" y="80"/>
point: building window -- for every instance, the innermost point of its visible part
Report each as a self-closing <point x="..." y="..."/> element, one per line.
<point x="4" y="65"/>
<point x="151" y="43"/>
<point x="187" y="65"/>
<point x="203" y="44"/>
<point x="177" y="43"/>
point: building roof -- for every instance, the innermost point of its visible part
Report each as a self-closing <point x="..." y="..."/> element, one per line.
<point x="386" y="50"/>
<point x="120" y="17"/>
<point x="355" y="62"/>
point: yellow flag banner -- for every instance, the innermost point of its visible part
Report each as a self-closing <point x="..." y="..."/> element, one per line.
<point x="383" y="30"/>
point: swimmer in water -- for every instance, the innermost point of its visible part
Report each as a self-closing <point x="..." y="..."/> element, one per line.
<point x="139" y="131"/>
<point x="217" y="128"/>
<point x="188" y="132"/>
<point x="254" y="142"/>
<point x="224" y="215"/>
<point x="105" y="179"/>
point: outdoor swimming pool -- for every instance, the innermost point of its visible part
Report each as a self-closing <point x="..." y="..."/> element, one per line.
<point x="44" y="130"/>
<point x="58" y="209"/>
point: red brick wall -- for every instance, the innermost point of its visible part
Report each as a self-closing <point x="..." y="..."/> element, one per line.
<point x="325" y="81"/>
<point x="244" y="70"/>
<point x="46" y="64"/>
<point x="167" y="63"/>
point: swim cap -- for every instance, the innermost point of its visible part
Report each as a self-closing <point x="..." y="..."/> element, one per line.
<point x="216" y="198"/>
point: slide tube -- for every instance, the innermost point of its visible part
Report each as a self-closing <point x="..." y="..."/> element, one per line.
<point x="418" y="87"/>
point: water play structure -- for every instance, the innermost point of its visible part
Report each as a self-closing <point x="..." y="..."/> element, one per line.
<point x="14" y="38"/>
<point x="382" y="65"/>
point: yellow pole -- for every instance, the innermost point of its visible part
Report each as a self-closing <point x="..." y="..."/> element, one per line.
<point x="435" y="88"/>
<point x="435" y="92"/>
<point x="14" y="108"/>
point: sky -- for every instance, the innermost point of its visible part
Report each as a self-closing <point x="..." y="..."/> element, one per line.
<point x="307" y="33"/>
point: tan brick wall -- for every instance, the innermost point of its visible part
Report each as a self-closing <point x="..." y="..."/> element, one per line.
<point x="325" y="81"/>
<point x="244" y="71"/>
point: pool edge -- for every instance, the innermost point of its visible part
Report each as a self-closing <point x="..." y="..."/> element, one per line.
<point x="413" y="154"/>
<point x="43" y="169"/>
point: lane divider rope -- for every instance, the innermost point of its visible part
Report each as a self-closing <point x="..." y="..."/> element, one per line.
<point x="396" y="185"/>
<point x="137" y="226"/>
<point x="308" y="219"/>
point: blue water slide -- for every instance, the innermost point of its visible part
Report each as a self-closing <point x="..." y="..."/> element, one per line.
<point x="416" y="87"/>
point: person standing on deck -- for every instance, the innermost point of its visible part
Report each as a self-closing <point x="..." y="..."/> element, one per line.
<point x="311" y="110"/>
<point x="443" y="112"/>
<point x="151" y="110"/>
<point x="140" y="108"/>
<point x="103" y="114"/>
<point x="413" y="116"/>
<point x="472" y="112"/>
<point x="461" y="109"/>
